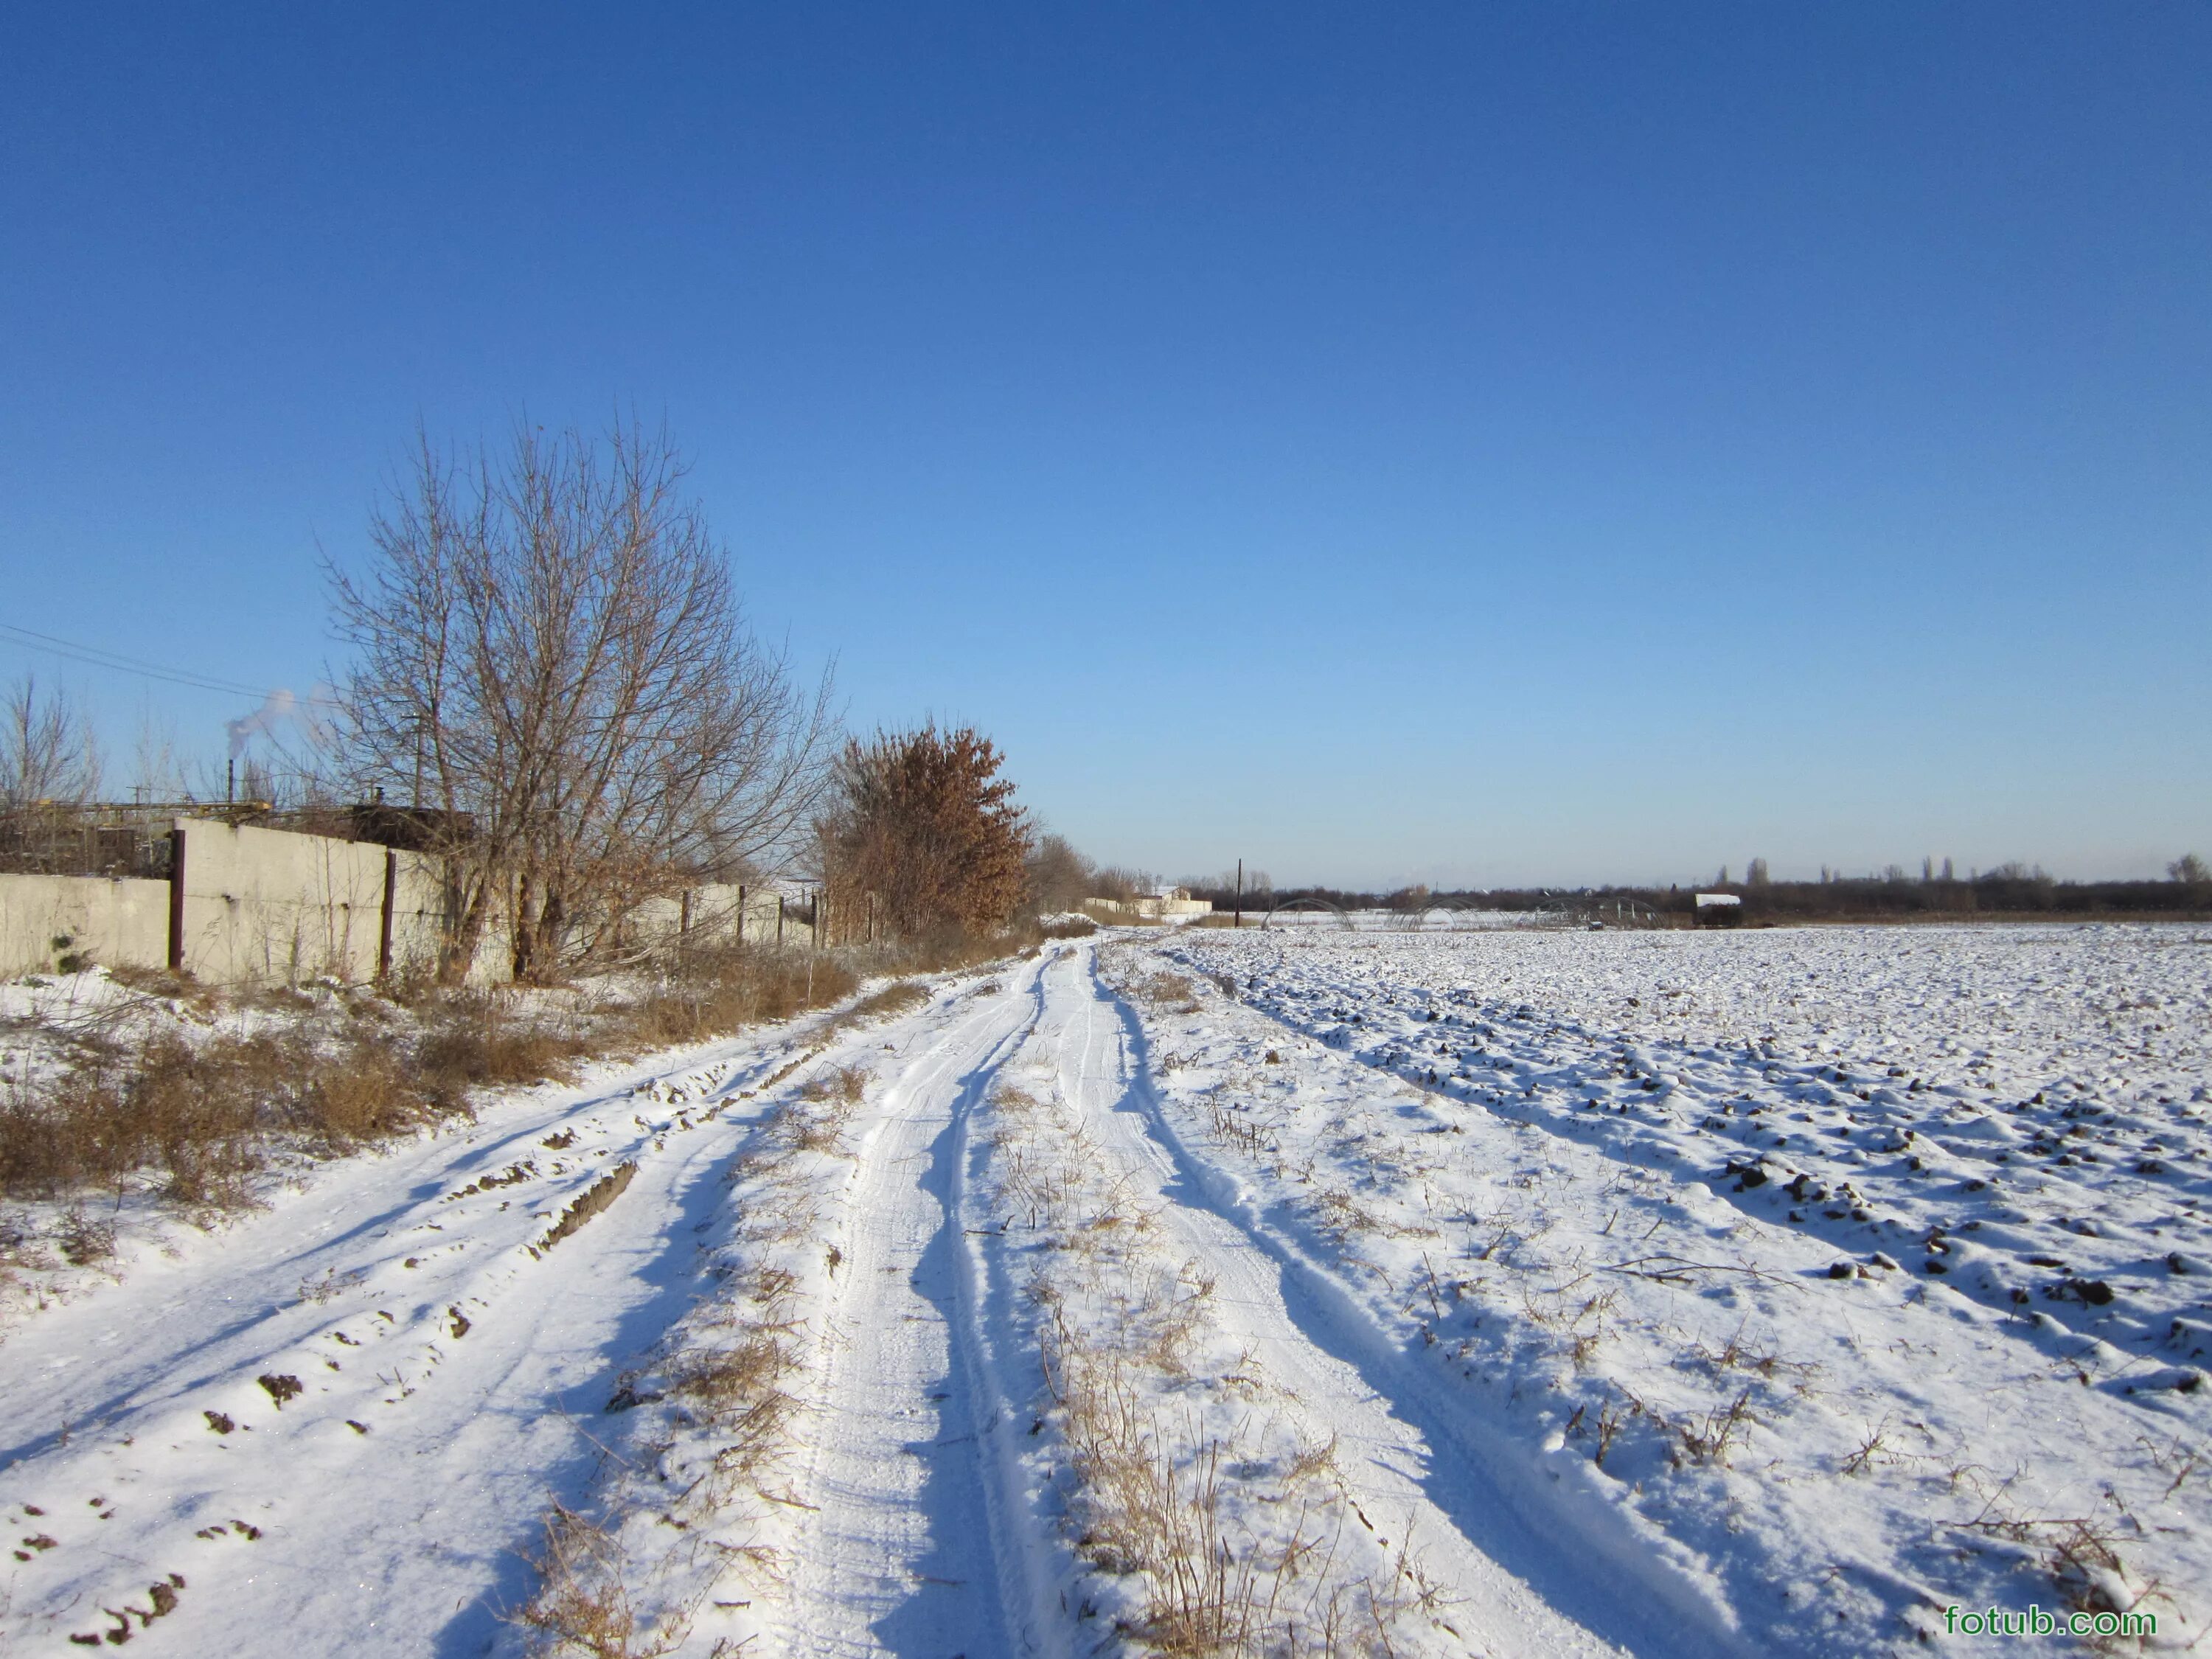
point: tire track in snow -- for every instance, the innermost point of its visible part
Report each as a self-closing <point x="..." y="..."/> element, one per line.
<point x="446" y="1460"/>
<point x="1545" y="1575"/>
<point x="915" y="1539"/>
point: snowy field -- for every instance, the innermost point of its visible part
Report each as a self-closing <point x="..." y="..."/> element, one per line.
<point x="1858" y="1272"/>
<point x="1496" y="1293"/>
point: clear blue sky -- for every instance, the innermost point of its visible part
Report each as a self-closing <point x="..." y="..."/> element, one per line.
<point x="1472" y="442"/>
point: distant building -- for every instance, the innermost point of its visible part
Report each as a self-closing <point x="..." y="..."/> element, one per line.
<point x="1157" y="907"/>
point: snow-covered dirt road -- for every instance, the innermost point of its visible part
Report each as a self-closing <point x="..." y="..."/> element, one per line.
<point x="1091" y="1304"/>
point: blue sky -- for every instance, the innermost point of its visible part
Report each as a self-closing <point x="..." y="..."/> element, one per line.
<point x="1474" y="443"/>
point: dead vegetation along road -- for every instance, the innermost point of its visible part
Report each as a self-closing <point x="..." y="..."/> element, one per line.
<point x="450" y="1370"/>
<point x="342" y="1420"/>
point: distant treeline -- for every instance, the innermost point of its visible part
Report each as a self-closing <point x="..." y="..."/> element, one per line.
<point x="2010" y="892"/>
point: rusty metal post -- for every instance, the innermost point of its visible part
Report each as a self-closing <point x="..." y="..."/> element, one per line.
<point x="384" y="921"/>
<point x="177" y="899"/>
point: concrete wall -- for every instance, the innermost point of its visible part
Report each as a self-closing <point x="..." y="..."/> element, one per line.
<point x="714" y="917"/>
<point x="119" y="924"/>
<point x="262" y="906"/>
<point x="420" y="908"/>
<point x="267" y="907"/>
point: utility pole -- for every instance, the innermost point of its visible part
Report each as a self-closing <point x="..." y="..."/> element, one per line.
<point x="1239" y="893"/>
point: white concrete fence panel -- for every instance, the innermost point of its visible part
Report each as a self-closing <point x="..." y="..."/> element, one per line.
<point x="247" y="906"/>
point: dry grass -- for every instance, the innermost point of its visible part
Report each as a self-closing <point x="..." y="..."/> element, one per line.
<point x="476" y="1039"/>
<point x="841" y="1084"/>
<point x="197" y="1118"/>
<point x="711" y="993"/>
<point x="1153" y="1498"/>
<point x="626" y="1587"/>
<point x="1172" y="992"/>
<point x="2081" y="1554"/>
<point x="737" y="1390"/>
<point x="1709" y="1439"/>
<point x="894" y="999"/>
<point x="583" y="1605"/>
<point x="1228" y="1571"/>
<point x="815" y="1120"/>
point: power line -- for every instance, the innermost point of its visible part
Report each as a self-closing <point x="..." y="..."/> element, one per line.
<point x="100" y="657"/>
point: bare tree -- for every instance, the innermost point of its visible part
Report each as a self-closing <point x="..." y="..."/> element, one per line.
<point x="47" y="750"/>
<point x="2189" y="870"/>
<point x="550" y="656"/>
<point x="1113" y="883"/>
<point x="156" y="772"/>
<point x="1059" y="877"/>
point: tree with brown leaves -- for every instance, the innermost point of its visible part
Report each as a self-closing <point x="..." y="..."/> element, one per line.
<point x="926" y="827"/>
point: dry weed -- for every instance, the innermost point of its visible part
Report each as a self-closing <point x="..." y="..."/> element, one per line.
<point x="583" y="1605"/>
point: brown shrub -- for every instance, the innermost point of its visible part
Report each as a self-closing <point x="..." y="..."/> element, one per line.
<point x="201" y="1107"/>
<point x="1167" y="990"/>
<point x="191" y="1112"/>
<point x="369" y="1094"/>
<point x="844" y="1084"/>
<point x="922" y="821"/>
<point x="894" y="999"/>
<point x="474" y="1040"/>
<point x="199" y="1116"/>
<point x="711" y="993"/>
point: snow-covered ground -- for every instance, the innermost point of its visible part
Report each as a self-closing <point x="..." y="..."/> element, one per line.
<point x="1501" y="1293"/>
<point x="1857" y="1272"/>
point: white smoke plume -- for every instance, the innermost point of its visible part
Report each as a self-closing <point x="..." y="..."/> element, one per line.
<point x="281" y="708"/>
